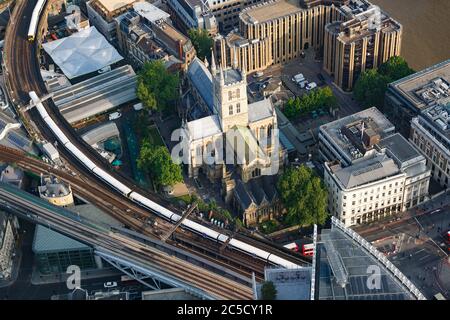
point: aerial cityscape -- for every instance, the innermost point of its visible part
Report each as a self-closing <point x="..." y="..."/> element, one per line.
<point x="224" y="150"/>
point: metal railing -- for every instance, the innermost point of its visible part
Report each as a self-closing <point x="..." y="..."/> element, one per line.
<point x="380" y="257"/>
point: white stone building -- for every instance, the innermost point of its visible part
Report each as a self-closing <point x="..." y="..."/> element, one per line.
<point x="371" y="172"/>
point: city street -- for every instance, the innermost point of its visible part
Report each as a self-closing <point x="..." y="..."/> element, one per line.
<point x="421" y="251"/>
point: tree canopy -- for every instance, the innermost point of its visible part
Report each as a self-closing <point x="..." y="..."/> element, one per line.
<point x="156" y="161"/>
<point x="202" y="42"/>
<point x="268" y="291"/>
<point x="304" y="195"/>
<point x="371" y="85"/>
<point x="316" y="99"/>
<point x="395" y="68"/>
<point x="370" y="88"/>
<point x="157" y="88"/>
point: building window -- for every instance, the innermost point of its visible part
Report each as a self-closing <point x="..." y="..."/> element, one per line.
<point x="238" y="106"/>
<point x="230" y="110"/>
<point x="238" y="93"/>
<point x="230" y="95"/>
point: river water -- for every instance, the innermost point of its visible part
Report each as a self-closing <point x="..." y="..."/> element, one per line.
<point x="426" y="29"/>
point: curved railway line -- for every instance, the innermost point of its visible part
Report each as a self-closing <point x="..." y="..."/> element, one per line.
<point x="23" y="76"/>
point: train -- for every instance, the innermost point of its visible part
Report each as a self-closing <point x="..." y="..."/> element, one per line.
<point x="32" y="29"/>
<point x="150" y="205"/>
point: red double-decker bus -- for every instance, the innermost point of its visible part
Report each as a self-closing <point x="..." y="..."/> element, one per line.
<point x="308" y="250"/>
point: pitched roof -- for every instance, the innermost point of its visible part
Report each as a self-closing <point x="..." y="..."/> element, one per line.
<point x="260" y="110"/>
<point x="257" y="192"/>
<point x="204" y="127"/>
<point x="242" y="195"/>
<point x="201" y="79"/>
<point x="367" y="171"/>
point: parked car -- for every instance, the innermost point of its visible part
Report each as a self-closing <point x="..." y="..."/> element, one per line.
<point x="115" y="115"/>
<point x="258" y="74"/>
<point x="311" y="86"/>
<point x="298" y="77"/>
<point x="303" y="84"/>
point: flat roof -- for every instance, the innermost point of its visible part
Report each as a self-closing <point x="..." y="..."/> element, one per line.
<point x="150" y="12"/>
<point x="366" y="171"/>
<point x="15" y="138"/>
<point x="291" y="284"/>
<point x="112" y="5"/>
<point x="378" y="123"/>
<point x="269" y="11"/>
<point x="407" y="87"/>
<point x="400" y="148"/>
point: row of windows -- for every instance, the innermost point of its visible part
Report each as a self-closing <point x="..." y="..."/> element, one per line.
<point x="238" y="109"/>
<point x="371" y="199"/>
<point x="391" y="185"/>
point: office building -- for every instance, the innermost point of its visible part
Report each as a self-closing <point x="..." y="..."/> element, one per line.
<point x="192" y="14"/>
<point x="406" y="98"/>
<point x="371" y="172"/>
<point x="430" y="132"/>
<point x="145" y="33"/>
<point x="101" y="14"/>
<point x="352" y="35"/>
<point x="359" y="44"/>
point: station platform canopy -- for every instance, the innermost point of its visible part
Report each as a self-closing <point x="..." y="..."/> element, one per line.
<point x="82" y="53"/>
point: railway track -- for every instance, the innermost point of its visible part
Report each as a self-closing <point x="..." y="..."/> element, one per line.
<point x="23" y="59"/>
<point x="135" y="216"/>
<point x="210" y="282"/>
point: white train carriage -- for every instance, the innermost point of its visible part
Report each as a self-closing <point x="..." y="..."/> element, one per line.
<point x="116" y="184"/>
<point x="32" y="29"/>
<point x="154" y="207"/>
<point x="80" y="156"/>
<point x="56" y="130"/>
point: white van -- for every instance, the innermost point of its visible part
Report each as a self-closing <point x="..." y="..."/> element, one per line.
<point x="311" y="86"/>
<point x="298" y="77"/>
<point x="114" y="116"/>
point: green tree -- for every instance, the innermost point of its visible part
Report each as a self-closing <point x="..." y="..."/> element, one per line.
<point x="304" y="195"/>
<point x="321" y="98"/>
<point x="157" y="88"/>
<point x="156" y="162"/>
<point x="202" y="42"/>
<point x="370" y="88"/>
<point x="268" y="291"/>
<point x="395" y="68"/>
